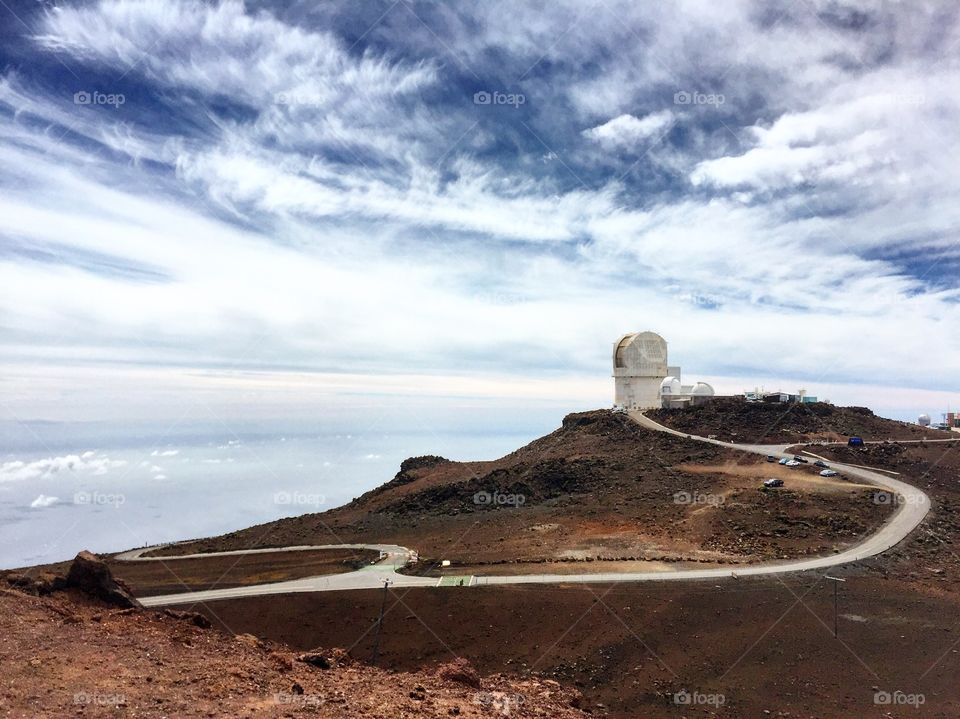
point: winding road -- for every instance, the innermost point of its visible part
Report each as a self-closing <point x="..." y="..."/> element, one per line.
<point x="912" y="507"/>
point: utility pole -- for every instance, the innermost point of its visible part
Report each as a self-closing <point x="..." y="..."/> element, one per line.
<point x="836" y="584"/>
<point x="376" y="639"/>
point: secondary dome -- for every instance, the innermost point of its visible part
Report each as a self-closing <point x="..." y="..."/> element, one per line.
<point x="703" y="389"/>
<point x="670" y="385"/>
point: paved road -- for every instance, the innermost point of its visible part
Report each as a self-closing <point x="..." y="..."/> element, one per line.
<point x="392" y="558"/>
<point x="912" y="506"/>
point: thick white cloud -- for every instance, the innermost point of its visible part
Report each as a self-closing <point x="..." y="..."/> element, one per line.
<point x="627" y="131"/>
<point x="88" y="463"/>
<point x="42" y="501"/>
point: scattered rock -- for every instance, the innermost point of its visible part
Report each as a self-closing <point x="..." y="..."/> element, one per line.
<point x="194" y="618"/>
<point x="315" y="659"/>
<point x="459" y="671"/>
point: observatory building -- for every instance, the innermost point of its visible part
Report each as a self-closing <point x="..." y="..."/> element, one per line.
<point x="642" y="378"/>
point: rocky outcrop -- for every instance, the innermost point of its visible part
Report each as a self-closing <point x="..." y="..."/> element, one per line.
<point x="91" y="575"/>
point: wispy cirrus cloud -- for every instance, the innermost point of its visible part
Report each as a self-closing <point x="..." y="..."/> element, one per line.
<point x="292" y="191"/>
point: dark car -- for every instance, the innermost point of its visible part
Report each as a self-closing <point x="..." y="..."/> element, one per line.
<point x="771" y="458"/>
<point x="801" y="459"/>
<point x="821" y="463"/>
<point x="773" y="483"/>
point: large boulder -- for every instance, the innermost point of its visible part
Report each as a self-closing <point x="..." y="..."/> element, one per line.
<point x="91" y="575"/>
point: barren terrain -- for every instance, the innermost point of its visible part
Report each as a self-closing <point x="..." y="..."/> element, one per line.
<point x="764" y="645"/>
<point x="600" y="488"/>
<point x="69" y="655"/>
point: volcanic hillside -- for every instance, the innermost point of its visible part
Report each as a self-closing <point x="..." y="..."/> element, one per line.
<point x="601" y="487"/>
<point x="736" y="420"/>
<point x="67" y="653"/>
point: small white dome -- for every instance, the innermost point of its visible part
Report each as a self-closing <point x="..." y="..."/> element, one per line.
<point x="924" y="419"/>
<point x="702" y="388"/>
<point x="670" y="385"/>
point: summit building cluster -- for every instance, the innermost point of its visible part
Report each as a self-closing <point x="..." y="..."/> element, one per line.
<point x="643" y="378"/>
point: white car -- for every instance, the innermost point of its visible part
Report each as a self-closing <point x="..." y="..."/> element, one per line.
<point x="829" y="473"/>
<point x="792" y="463"/>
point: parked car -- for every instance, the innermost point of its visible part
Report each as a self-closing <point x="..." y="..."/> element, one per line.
<point x="771" y="458"/>
<point x="773" y="483"/>
<point x="829" y="473"/>
<point x="783" y="460"/>
<point x="792" y="463"/>
<point x="821" y="463"/>
<point x="798" y="458"/>
<point x="855" y="442"/>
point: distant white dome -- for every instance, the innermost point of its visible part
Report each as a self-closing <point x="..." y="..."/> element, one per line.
<point x="924" y="419"/>
<point x="703" y="389"/>
<point x="671" y="385"/>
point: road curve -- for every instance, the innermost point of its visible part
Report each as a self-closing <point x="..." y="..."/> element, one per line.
<point x="912" y="507"/>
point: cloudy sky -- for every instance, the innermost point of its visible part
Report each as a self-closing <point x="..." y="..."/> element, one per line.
<point x="275" y="201"/>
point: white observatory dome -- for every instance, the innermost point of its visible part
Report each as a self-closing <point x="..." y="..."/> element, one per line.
<point x="671" y="385"/>
<point x="702" y="389"/>
<point x="924" y="420"/>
